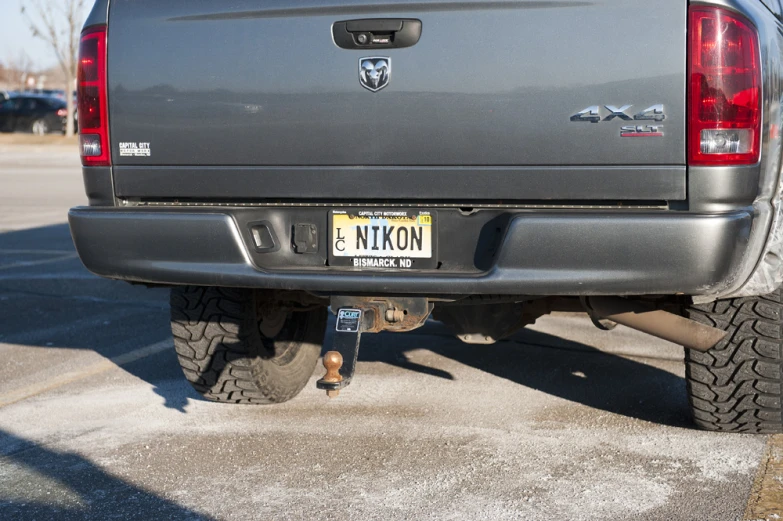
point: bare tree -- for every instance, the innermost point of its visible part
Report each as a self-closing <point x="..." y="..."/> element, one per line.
<point x="19" y="68"/>
<point x="58" y="23"/>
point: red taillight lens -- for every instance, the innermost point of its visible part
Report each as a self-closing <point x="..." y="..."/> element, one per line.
<point x="91" y="93"/>
<point x="724" y="88"/>
<point x="62" y="112"/>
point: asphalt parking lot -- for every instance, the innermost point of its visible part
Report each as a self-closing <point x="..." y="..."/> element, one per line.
<point x="562" y="421"/>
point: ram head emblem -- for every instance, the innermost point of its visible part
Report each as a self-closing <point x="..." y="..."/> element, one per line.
<point x="374" y="73"/>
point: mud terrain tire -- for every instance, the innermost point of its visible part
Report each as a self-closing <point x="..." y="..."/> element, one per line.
<point x="233" y="348"/>
<point x="736" y="386"/>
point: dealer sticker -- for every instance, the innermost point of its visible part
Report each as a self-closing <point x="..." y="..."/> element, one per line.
<point x="133" y="149"/>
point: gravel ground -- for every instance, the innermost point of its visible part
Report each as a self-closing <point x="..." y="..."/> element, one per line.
<point x="562" y="421"/>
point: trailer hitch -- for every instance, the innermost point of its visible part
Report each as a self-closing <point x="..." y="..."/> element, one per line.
<point x="357" y="315"/>
<point x="340" y="360"/>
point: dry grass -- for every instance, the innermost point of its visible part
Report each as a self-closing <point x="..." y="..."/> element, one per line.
<point x="766" y="497"/>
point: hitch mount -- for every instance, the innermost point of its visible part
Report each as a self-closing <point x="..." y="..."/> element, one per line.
<point x="357" y="315"/>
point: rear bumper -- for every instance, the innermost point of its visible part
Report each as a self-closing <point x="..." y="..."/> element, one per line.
<point x="536" y="253"/>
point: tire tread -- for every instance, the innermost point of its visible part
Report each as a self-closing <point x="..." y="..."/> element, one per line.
<point x="224" y="356"/>
<point x="736" y="386"/>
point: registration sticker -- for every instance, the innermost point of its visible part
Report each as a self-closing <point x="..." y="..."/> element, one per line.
<point x="425" y="220"/>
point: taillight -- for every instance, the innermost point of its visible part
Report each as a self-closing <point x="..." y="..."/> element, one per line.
<point x="724" y="88"/>
<point x="62" y="112"/>
<point x="91" y="93"/>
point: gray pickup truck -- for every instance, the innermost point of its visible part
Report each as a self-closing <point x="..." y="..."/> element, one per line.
<point x="482" y="163"/>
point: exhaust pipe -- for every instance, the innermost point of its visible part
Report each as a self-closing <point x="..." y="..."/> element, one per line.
<point x="655" y="322"/>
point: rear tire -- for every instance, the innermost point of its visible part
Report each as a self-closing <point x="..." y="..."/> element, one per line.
<point x="235" y="346"/>
<point x="736" y="386"/>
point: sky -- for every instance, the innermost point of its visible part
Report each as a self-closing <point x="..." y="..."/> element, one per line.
<point x="15" y="35"/>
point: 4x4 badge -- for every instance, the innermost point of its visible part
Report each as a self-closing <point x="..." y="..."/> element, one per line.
<point x="593" y="114"/>
<point x="654" y="113"/>
<point x="374" y="72"/>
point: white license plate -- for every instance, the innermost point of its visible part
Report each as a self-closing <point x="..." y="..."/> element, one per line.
<point x="383" y="239"/>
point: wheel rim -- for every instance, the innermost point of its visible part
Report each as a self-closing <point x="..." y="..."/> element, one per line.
<point x="271" y="323"/>
<point x="39" y="128"/>
<point x="282" y="334"/>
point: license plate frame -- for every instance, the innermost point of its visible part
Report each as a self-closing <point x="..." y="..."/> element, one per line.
<point x="376" y="262"/>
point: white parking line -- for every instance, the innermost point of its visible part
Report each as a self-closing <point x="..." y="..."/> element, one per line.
<point x="80" y="275"/>
<point x="25" y="264"/>
<point x="29" y="391"/>
<point x="34" y="252"/>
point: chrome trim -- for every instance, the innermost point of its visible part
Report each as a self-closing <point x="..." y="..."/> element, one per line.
<point x="340" y="204"/>
<point x="591" y="114"/>
<point x="374" y="72"/>
<point x="614" y="112"/>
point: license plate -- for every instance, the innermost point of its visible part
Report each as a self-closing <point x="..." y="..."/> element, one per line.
<point x="383" y="239"/>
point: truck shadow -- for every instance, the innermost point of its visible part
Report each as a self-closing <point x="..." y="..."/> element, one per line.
<point x="51" y="301"/>
<point x="72" y="487"/>
<point x="570" y="370"/>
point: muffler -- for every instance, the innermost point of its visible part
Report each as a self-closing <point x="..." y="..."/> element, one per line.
<point x="656" y="322"/>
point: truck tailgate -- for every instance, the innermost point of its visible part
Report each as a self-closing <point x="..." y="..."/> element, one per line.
<point x="250" y="83"/>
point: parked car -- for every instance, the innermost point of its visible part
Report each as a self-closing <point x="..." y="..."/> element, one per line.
<point x="483" y="163"/>
<point x="37" y="114"/>
<point x="49" y="93"/>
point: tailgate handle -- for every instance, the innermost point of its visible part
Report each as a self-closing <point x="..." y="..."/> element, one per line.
<point x="381" y="25"/>
<point x="372" y="33"/>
